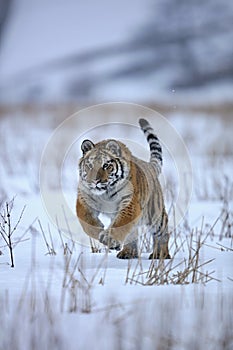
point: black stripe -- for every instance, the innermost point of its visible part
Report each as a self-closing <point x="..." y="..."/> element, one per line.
<point x="114" y="182"/>
<point x="112" y="195"/>
<point x="153" y="139"/>
<point x="117" y="167"/>
<point x="154" y="146"/>
<point x="121" y="166"/>
<point x="151" y="136"/>
<point x="156" y="155"/>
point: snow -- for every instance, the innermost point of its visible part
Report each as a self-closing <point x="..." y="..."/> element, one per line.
<point x="94" y="299"/>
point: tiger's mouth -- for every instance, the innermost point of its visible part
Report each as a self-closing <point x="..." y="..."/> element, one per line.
<point x="98" y="186"/>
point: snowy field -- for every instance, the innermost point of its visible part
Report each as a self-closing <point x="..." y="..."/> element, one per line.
<point x="65" y="292"/>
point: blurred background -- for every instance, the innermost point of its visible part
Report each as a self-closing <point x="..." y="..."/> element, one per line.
<point x="150" y="51"/>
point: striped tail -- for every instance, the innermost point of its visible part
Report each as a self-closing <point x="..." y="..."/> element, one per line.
<point x="155" y="147"/>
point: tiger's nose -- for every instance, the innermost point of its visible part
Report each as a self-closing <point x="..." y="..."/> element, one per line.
<point x="99" y="174"/>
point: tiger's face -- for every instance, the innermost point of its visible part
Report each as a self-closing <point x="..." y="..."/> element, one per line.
<point x="102" y="168"/>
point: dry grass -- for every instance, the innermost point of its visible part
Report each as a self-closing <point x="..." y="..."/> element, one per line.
<point x="177" y="270"/>
<point x="60" y="110"/>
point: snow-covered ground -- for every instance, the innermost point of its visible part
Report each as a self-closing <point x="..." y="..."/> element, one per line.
<point x="61" y="295"/>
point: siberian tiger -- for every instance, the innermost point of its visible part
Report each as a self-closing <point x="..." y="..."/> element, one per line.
<point x="126" y="188"/>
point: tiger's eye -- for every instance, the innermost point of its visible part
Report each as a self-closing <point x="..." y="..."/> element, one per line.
<point x="107" y="166"/>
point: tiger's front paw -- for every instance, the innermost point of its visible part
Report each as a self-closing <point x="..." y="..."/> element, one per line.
<point x="128" y="252"/>
<point x="107" y="240"/>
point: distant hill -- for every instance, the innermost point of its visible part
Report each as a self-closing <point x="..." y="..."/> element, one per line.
<point x="176" y="45"/>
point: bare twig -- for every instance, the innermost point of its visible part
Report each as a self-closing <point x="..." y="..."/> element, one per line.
<point x="6" y="229"/>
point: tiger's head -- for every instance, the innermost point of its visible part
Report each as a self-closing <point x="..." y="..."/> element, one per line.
<point x="103" y="166"/>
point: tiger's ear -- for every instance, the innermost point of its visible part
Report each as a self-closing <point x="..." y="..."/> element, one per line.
<point x="114" y="147"/>
<point x="86" y="146"/>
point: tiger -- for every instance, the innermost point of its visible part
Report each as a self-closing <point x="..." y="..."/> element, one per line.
<point x="114" y="182"/>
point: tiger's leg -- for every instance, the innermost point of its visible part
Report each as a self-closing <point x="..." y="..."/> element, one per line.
<point x="88" y="218"/>
<point x="160" y="250"/>
<point x="122" y="229"/>
<point x="130" y="247"/>
<point x="160" y="239"/>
